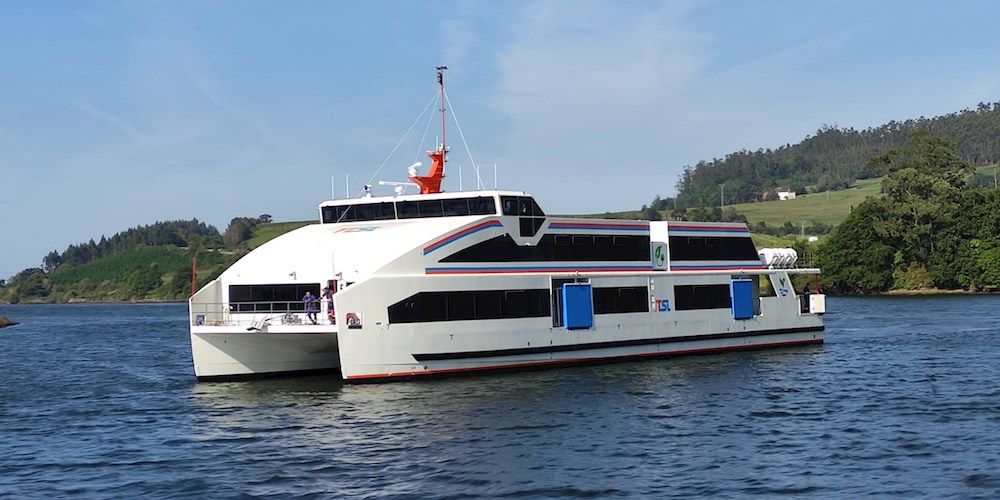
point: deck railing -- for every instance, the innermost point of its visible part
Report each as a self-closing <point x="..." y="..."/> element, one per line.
<point x="256" y="314"/>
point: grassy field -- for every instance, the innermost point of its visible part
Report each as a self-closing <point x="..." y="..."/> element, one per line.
<point x="829" y="207"/>
<point x="267" y="232"/>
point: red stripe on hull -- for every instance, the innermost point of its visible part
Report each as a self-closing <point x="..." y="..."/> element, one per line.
<point x="576" y="361"/>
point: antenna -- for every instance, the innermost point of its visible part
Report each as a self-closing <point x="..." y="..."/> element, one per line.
<point x="460" y="178"/>
<point x="440" y="70"/>
<point x="333" y="191"/>
<point x="347" y="185"/>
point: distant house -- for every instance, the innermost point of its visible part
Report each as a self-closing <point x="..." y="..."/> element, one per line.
<point x="786" y="195"/>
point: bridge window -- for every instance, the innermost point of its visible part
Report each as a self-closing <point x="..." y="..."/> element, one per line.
<point x="521" y="205"/>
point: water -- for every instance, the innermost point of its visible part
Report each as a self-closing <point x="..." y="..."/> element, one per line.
<point x="903" y="400"/>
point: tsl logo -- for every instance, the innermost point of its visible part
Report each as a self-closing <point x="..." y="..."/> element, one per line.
<point x="356" y="229"/>
<point x="661" y="305"/>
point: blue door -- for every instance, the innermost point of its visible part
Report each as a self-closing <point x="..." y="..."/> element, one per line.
<point x="577" y="306"/>
<point x="742" y="293"/>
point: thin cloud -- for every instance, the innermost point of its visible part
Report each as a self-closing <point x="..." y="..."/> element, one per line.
<point x="592" y="85"/>
<point x="119" y="123"/>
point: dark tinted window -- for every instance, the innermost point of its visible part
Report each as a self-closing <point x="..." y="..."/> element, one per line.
<point x="691" y="297"/>
<point x="430" y="208"/>
<point x="461" y="305"/>
<point x="712" y="248"/>
<point x="455" y="207"/>
<point x="509" y="205"/>
<point x="358" y="212"/>
<point x="466" y="305"/>
<point x="483" y="205"/>
<point x="529" y="226"/>
<point x="267" y="298"/>
<point x="488" y="305"/>
<point x="621" y="300"/>
<point x="434" y="306"/>
<point x="556" y="248"/>
<point x="407" y="210"/>
<point x="525" y="206"/>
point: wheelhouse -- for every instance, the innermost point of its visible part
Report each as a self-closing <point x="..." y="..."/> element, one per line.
<point x="422" y="207"/>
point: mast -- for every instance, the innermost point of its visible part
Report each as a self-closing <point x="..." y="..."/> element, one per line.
<point x="440" y="70"/>
<point x="431" y="183"/>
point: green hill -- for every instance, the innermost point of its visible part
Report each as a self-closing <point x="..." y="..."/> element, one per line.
<point x="833" y="157"/>
<point x="263" y="233"/>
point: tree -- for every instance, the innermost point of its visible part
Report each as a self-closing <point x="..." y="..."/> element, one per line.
<point x="143" y="280"/>
<point x="51" y="261"/>
<point x="923" y="186"/>
<point x="651" y="213"/>
<point x="856" y="257"/>
<point x="34" y="285"/>
<point x="240" y="229"/>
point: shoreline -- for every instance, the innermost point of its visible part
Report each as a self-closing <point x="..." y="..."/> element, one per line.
<point x="107" y="302"/>
<point x="923" y="292"/>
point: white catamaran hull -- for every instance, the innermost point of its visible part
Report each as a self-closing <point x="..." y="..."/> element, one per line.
<point x="221" y="355"/>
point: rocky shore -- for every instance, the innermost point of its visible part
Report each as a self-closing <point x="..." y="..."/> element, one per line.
<point x="6" y="322"/>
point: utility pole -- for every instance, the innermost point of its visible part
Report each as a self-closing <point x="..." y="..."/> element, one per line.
<point x="722" y="195"/>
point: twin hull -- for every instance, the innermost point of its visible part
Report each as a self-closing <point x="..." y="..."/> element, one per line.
<point x="373" y="348"/>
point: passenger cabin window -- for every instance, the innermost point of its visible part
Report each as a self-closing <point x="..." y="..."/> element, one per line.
<point x="269" y="298"/>
<point x="468" y="305"/>
<point x="557" y="248"/>
<point x="712" y="248"/>
<point x="361" y="212"/>
<point x="627" y="299"/>
<point x="693" y="297"/>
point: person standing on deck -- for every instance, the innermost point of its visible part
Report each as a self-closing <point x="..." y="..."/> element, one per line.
<point x="310" y="305"/>
<point x="327" y="303"/>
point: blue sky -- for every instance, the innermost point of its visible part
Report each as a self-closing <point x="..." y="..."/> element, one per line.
<point x="115" y="114"/>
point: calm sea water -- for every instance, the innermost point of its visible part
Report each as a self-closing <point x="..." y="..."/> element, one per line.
<point x="902" y="400"/>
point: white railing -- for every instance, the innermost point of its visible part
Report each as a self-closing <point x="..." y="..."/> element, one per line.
<point x="256" y="314"/>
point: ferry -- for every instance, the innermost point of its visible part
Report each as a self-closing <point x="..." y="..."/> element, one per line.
<point x="441" y="283"/>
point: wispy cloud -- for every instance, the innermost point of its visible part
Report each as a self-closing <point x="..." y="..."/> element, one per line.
<point x="121" y="124"/>
<point x="587" y="86"/>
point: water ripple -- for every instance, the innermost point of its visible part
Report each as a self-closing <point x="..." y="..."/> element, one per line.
<point x="99" y="401"/>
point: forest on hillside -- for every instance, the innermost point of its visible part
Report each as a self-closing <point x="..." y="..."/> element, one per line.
<point x="931" y="230"/>
<point x="832" y="158"/>
<point x="148" y="262"/>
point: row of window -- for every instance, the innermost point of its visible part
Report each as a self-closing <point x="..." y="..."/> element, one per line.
<point x="387" y="210"/>
<point x="692" y="297"/>
<point x="468" y="305"/>
<point x="561" y="247"/>
<point x="712" y="248"/>
<point x="621" y="300"/>
<point x="269" y="298"/>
